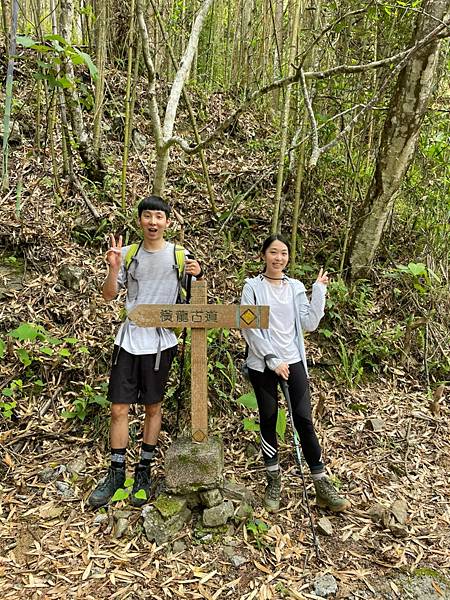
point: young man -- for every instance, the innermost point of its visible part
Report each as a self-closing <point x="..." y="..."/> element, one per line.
<point x="142" y="356"/>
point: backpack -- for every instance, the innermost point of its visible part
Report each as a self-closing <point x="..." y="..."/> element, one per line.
<point x="179" y="257"/>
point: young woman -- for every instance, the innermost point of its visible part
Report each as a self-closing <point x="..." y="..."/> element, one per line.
<point x="279" y="352"/>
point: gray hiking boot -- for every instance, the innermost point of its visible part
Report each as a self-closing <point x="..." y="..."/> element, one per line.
<point x="327" y="496"/>
<point x="272" y="493"/>
<point x="142" y="482"/>
<point x="106" y="488"/>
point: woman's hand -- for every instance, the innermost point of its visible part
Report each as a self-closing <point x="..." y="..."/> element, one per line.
<point x="322" y="277"/>
<point x="114" y="253"/>
<point x="283" y="371"/>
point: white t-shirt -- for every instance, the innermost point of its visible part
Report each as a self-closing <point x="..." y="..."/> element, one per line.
<point x="282" y="321"/>
<point x="151" y="279"/>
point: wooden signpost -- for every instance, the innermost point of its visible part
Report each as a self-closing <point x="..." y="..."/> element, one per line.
<point x="200" y="316"/>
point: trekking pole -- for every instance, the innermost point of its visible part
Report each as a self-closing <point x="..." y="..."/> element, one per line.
<point x="183" y="350"/>
<point x="285" y="390"/>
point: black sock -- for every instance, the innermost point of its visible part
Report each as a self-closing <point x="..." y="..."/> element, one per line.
<point x="118" y="458"/>
<point x="147" y="454"/>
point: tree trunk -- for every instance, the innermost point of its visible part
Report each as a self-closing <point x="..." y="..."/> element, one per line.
<point x="408" y="105"/>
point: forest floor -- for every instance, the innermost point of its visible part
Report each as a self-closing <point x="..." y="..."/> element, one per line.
<point x="54" y="546"/>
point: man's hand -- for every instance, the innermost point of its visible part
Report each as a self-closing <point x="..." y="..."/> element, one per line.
<point x="114" y="253"/>
<point x="283" y="371"/>
<point x="323" y="277"/>
<point x="192" y="267"/>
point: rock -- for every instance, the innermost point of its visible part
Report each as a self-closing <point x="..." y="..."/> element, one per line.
<point x="377" y="512"/>
<point x="325" y="526"/>
<point x="64" y="489"/>
<point x="237" y="560"/>
<point x="398" y="530"/>
<point x="161" y="530"/>
<point x="122" y="514"/>
<point x="169" y="506"/>
<point x="120" y="528"/>
<point x="235" y="491"/>
<point x="193" y="500"/>
<point x="325" y="585"/>
<point x="71" y="277"/>
<point x="374" y="424"/>
<point x="228" y="551"/>
<point x="101" y="519"/>
<point x="218" y="515"/>
<point x="193" y="467"/>
<point x="178" y="547"/>
<point x="48" y="474"/>
<point x="77" y="465"/>
<point x="399" y="509"/>
<point x="211" y="498"/>
<point x="244" y="511"/>
<point x="12" y="274"/>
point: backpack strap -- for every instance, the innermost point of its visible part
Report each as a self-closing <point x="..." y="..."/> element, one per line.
<point x="131" y="253"/>
<point x="179" y="254"/>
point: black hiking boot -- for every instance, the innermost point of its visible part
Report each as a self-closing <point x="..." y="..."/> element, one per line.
<point x="327" y="496"/>
<point x="142" y="483"/>
<point x="272" y="493"/>
<point x="107" y="487"/>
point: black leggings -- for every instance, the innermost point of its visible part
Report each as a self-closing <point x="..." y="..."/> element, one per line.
<point x="266" y="388"/>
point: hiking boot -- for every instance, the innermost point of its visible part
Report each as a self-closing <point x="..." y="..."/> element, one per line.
<point x="142" y="481"/>
<point x="106" y="488"/>
<point x="327" y="496"/>
<point x="272" y="493"/>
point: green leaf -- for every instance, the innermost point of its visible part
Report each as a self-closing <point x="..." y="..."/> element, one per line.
<point x="68" y="414"/>
<point x="128" y="482"/>
<point x="7" y="392"/>
<point x="27" y="331"/>
<point x="417" y="269"/>
<point x="64" y="352"/>
<point x="47" y="350"/>
<point x="54" y="341"/>
<point x="120" y="494"/>
<point x="87" y="60"/>
<point x="281" y="423"/>
<point x="142" y="494"/>
<point x="71" y="340"/>
<point x="248" y="400"/>
<point x="24" y="357"/>
<point x="250" y="425"/>
<point x="83" y="350"/>
<point x="55" y="37"/>
<point x="326" y="332"/>
<point x="25" y="41"/>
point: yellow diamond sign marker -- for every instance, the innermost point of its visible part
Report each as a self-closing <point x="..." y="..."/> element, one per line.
<point x="248" y="316"/>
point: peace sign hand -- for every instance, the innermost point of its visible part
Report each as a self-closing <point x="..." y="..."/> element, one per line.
<point x="322" y="277"/>
<point x="114" y="253"/>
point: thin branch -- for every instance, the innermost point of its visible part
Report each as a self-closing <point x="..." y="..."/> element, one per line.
<point x="315" y="151"/>
<point x="157" y="130"/>
<point x="350" y="69"/>
<point x="314" y="157"/>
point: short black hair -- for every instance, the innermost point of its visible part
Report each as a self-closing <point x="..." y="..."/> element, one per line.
<point x="273" y="238"/>
<point x="153" y="203"/>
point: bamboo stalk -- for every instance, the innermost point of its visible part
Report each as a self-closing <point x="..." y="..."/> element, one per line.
<point x="9" y="95"/>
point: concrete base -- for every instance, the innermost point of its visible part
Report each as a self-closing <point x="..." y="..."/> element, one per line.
<point x="192" y="467"/>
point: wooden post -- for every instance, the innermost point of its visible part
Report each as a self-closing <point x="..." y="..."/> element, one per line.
<point x="199" y="371"/>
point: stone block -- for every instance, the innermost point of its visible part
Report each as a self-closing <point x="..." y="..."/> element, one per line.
<point x="211" y="498"/>
<point x="161" y="530"/>
<point x="192" y="467"/>
<point x="218" y="515"/>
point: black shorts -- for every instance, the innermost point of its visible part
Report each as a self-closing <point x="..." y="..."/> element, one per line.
<point x="134" y="380"/>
